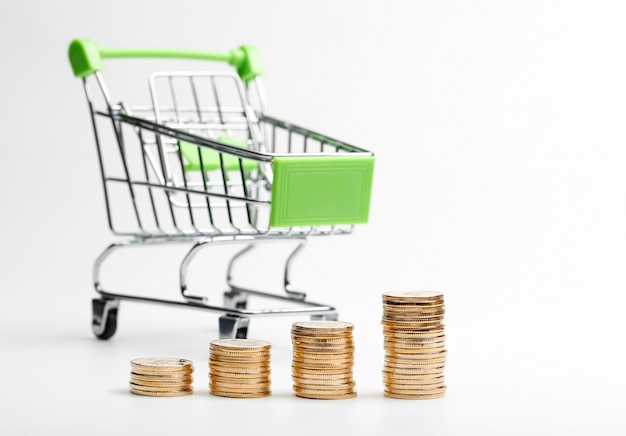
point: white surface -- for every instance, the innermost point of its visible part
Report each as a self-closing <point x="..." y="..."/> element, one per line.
<point x="499" y="135"/>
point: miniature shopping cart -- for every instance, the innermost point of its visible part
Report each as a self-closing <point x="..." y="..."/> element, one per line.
<point x="200" y="162"/>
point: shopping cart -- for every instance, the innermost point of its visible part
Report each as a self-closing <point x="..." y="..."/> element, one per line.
<point x="202" y="163"/>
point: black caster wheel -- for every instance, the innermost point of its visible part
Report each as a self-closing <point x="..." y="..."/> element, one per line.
<point x="233" y="327"/>
<point x="104" y="317"/>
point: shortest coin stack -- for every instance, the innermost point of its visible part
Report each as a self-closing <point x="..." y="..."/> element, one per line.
<point x="323" y="356"/>
<point x="161" y="376"/>
<point x="415" y="351"/>
<point x="240" y="368"/>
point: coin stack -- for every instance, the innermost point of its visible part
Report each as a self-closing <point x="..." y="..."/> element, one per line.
<point x="414" y="340"/>
<point x="239" y="368"/>
<point x="161" y="376"/>
<point x="323" y="357"/>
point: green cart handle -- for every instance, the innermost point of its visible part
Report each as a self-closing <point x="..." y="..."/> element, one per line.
<point x="86" y="57"/>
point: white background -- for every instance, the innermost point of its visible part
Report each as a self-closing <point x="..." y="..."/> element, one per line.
<point x="499" y="132"/>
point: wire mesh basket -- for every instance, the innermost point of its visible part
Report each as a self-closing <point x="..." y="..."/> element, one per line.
<point x="203" y="163"/>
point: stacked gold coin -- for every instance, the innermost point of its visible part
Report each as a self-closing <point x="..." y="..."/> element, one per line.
<point x="323" y="357"/>
<point x="414" y="340"/>
<point x="161" y="376"/>
<point x="240" y="368"/>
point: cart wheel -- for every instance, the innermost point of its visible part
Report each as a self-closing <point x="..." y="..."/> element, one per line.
<point x="104" y="317"/>
<point x="233" y="327"/>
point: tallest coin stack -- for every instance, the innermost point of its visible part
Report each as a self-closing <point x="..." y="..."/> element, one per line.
<point x="415" y="349"/>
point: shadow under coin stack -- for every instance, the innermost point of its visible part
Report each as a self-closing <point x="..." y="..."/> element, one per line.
<point x="240" y="368"/>
<point x="415" y="350"/>
<point x="323" y="357"/>
<point x="161" y="376"/>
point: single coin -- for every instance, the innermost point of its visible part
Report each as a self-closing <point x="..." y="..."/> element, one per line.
<point x="228" y="394"/>
<point x="427" y="347"/>
<point x="410" y="380"/>
<point x="162" y="363"/>
<point x="395" y="375"/>
<point x="328" y="371"/>
<point x="138" y="387"/>
<point x="240" y="376"/>
<point x="161" y="383"/>
<point x="237" y="387"/>
<point x="327" y="380"/>
<point x="241" y="344"/>
<point x="321" y="364"/>
<point x="323" y="383"/>
<point x="162" y="378"/>
<point x="413" y="372"/>
<point x="303" y="356"/>
<point x="323" y="390"/>
<point x="323" y="325"/>
<point x="235" y="360"/>
<point x="422" y="391"/>
<point x="326" y="397"/>
<point x="163" y="394"/>
<point x="403" y="396"/>
<point x="239" y="369"/>
<point x="415" y="295"/>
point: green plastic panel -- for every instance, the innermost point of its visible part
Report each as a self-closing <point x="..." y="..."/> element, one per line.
<point x="211" y="158"/>
<point x="321" y="190"/>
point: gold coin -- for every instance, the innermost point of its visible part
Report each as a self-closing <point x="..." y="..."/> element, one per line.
<point x="415" y="340"/>
<point x="425" y="354"/>
<point x="321" y="393"/>
<point x="163" y="394"/>
<point x="220" y="393"/>
<point x="265" y="363"/>
<point x="305" y="381"/>
<point x="308" y="348"/>
<point x="239" y="352"/>
<point x="322" y="364"/>
<point x="147" y="372"/>
<point x="185" y="382"/>
<point x="413" y="295"/>
<point x="410" y="380"/>
<point x="239" y="369"/>
<point x="161" y="378"/>
<point x="407" y="302"/>
<point x="409" y="364"/>
<point x="325" y="390"/>
<point x="412" y="331"/>
<point x="238" y="386"/>
<point x="139" y="387"/>
<point x="326" y="383"/>
<point x="327" y="371"/>
<point x="240" y="361"/>
<point x="303" y="355"/>
<point x="416" y="367"/>
<point x="322" y="375"/>
<point x="241" y="344"/>
<point x="414" y="384"/>
<point x="418" y="308"/>
<point x="418" y="391"/>
<point x="240" y="376"/>
<point x="324" y="340"/>
<point x="402" y="396"/>
<point x="401" y="375"/>
<point x="162" y="363"/>
<point x="325" y="325"/>
<point x="422" y="353"/>
<point x="326" y="397"/>
<point x="413" y="372"/>
<point x="418" y="346"/>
